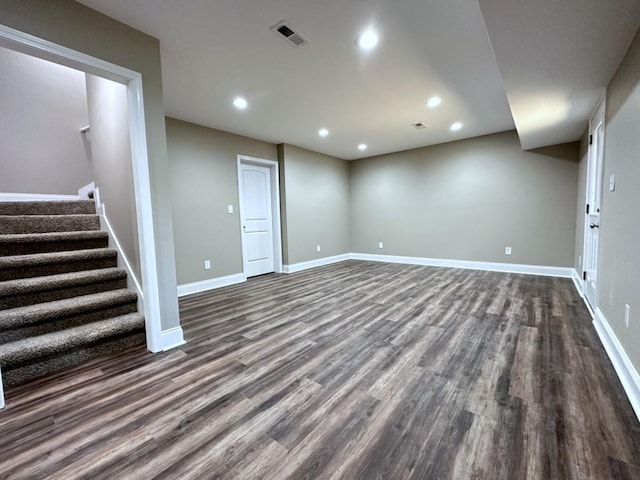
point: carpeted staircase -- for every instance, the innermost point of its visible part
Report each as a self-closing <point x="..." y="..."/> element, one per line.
<point x="62" y="298"/>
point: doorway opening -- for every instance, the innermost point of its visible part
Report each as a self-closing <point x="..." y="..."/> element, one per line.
<point x="15" y="40"/>
<point x="259" y="201"/>
<point x="595" y="170"/>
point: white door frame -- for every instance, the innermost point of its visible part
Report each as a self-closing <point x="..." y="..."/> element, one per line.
<point x="37" y="47"/>
<point x="274" y="177"/>
<point x="595" y="161"/>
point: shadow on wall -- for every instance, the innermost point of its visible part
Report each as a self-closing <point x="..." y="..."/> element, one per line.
<point x="565" y="151"/>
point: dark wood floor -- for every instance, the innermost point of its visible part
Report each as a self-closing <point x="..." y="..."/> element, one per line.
<point x="353" y="371"/>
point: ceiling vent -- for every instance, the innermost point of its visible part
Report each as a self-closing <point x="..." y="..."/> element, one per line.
<point x="419" y="126"/>
<point x="285" y="31"/>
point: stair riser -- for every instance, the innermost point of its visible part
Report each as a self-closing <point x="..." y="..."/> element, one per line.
<point x="36" y="224"/>
<point x="48" y="208"/>
<point x="52" y="269"/>
<point x="13" y="375"/>
<point x="9" y="249"/>
<point x="61" y="293"/>
<point x="54" y="325"/>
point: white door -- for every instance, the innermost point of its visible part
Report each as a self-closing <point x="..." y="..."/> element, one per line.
<point x="592" y="210"/>
<point x="256" y="216"/>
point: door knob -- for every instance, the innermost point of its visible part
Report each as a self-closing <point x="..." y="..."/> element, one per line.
<point x="594" y="225"/>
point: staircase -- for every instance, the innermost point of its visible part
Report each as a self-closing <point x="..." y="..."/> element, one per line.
<point x="62" y="298"/>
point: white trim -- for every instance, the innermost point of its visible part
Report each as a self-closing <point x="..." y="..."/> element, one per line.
<point x="25" y="43"/>
<point x="297" y="267"/>
<point x="36" y="197"/>
<point x="578" y="282"/>
<point x="38" y="47"/>
<point x="106" y="225"/>
<point x="275" y="206"/>
<point x="1" y="392"/>
<point x="213" y="283"/>
<point x="83" y="193"/>
<point x="172" y="338"/>
<point x="627" y="374"/>
<point x="542" y="270"/>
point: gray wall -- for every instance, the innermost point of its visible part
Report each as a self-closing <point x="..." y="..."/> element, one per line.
<point x="111" y="154"/>
<point x="44" y="106"/>
<point x="204" y="180"/>
<point x="619" y="267"/>
<point x="467" y="200"/>
<point x="316" y="204"/>
<point x="75" y="26"/>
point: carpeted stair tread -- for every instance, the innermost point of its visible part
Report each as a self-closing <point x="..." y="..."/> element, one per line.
<point x="41" y="312"/>
<point x="12" y="224"/>
<point x="63" y="299"/>
<point x="62" y="280"/>
<point x="27" y="291"/>
<point x="52" y="236"/>
<point x="68" y="339"/>
<point x="65" y="207"/>
<point x="39" y="264"/>
<point x="29" y="243"/>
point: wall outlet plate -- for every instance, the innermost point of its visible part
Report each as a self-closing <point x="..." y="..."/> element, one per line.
<point x="317" y="248"/>
<point x="207" y="264"/>
<point x="229" y="208"/>
<point x="380" y="245"/>
<point x="507" y="250"/>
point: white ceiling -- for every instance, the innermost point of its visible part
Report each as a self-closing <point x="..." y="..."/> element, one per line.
<point x="214" y="50"/>
<point x="556" y="57"/>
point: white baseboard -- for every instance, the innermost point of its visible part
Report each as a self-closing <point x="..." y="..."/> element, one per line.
<point x="131" y="276"/>
<point x="204" y="285"/>
<point x="542" y="270"/>
<point x="1" y="392"/>
<point x="36" y="197"/>
<point x="627" y="374"/>
<point x="297" y="267"/>
<point x="174" y="337"/>
<point x="577" y="281"/>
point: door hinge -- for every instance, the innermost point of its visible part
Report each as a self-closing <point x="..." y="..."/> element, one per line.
<point x="590" y="139"/>
<point x="584" y="275"/>
<point x="587" y="209"/>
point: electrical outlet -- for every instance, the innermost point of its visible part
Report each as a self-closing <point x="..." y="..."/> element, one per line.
<point x="380" y="245"/>
<point x="507" y="250"/>
<point x="627" y="315"/>
<point x="229" y="208"/>
<point x="207" y="264"/>
<point x="317" y="248"/>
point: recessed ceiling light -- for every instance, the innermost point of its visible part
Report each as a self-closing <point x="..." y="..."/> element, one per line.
<point x="434" y="102"/>
<point x="362" y="147"/>
<point x="456" y="126"/>
<point x="240" y="103"/>
<point x="323" y="132"/>
<point x="367" y="40"/>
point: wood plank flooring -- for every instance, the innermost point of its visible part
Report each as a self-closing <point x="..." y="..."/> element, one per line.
<point x="352" y="371"/>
